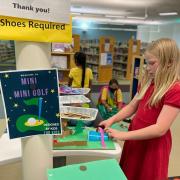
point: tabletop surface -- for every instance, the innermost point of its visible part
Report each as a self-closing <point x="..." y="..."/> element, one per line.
<point x="10" y="151"/>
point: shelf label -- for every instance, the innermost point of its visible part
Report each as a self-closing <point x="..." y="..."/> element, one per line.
<point x="43" y="10"/>
<point x="32" y="30"/>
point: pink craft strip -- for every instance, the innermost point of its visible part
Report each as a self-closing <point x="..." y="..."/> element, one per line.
<point x="102" y="137"/>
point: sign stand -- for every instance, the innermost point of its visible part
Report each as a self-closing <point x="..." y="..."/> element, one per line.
<point x="36" y="150"/>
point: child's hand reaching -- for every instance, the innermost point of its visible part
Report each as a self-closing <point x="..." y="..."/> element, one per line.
<point x="106" y="123"/>
<point x="115" y="134"/>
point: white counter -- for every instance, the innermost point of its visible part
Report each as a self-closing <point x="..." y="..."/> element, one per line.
<point x="10" y="151"/>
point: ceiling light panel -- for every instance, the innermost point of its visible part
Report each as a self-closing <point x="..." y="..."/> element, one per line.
<point x="168" y="14"/>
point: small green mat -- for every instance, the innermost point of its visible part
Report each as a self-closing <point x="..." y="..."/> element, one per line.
<point x="94" y="145"/>
<point x="122" y="126"/>
<point x="83" y="136"/>
<point x="96" y="170"/>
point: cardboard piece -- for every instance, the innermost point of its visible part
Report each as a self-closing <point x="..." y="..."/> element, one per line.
<point x="70" y="143"/>
<point x="103" y="169"/>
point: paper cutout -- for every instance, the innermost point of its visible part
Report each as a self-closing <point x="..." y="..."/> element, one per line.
<point x="79" y="127"/>
<point x="102" y="137"/>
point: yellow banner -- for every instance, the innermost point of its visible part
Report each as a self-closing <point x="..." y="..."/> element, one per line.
<point x="31" y="30"/>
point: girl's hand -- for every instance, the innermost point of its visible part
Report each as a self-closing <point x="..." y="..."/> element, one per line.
<point x="116" y="134"/>
<point x="106" y="123"/>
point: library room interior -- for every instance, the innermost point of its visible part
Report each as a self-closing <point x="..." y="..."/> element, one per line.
<point x="92" y="85"/>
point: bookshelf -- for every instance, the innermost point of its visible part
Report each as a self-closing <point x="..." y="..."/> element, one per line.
<point x="7" y="55"/>
<point x="106" y="59"/>
<point x="133" y="50"/>
<point x="143" y="47"/>
<point x="138" y="64"/>
<point x="99" y="54"/>
<point x="62" y="57"/>
<point x="120" y="60"/>
<point x="123" y="54"/>
<point x="91" y="49"/>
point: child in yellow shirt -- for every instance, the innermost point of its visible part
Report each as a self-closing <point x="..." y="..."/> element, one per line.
<point x="80" y="76"/>
<point x="110" y="99"/>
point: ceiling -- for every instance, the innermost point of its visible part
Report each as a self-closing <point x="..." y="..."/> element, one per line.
<point x="126" y="11"/>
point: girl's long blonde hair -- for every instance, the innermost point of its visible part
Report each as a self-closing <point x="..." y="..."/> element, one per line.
<point x="167" y="73"/>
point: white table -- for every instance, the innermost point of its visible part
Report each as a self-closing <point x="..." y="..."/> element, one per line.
<point x="10" y="151"/>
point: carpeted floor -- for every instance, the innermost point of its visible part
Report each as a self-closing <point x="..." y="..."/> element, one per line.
<point x="174" y="178"/>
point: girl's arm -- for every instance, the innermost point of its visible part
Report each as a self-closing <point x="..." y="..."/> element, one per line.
<point x="167" y="116"/>
<point x="127" y="111"/>
<point x="120" y="105"/>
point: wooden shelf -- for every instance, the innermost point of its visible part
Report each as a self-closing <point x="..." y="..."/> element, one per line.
<point x="6" y="65"/>
<point x="119" y="69"/>
<point x="63" y="82"/>
<point x="92" y="63"/>
<point x="61" y="53"/>
<point x="120" y="54"/>
<point x="67" y="59"/>
<point x="63" y="69"/>
<point x="91" y="54"/>
<point x="120" y="62"/>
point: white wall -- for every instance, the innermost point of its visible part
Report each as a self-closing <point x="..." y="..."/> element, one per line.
<point x="148" y="33"/>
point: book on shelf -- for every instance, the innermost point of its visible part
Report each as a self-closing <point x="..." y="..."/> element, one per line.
<point x="59" y="62"/>
<point x="62" y="47"/>
<point x="106" y="59"/>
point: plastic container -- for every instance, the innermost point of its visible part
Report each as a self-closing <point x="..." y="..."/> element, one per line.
<point x="69" y="90"/>
<point x="72" y="99"/>
<point x="78" y="113"/>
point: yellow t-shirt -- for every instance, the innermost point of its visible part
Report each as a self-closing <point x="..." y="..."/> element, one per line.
<point x="76" y="75"/>
<point x="112" y="102"/>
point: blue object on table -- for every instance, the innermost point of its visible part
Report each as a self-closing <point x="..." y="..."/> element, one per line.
<point x="96" y="136"/>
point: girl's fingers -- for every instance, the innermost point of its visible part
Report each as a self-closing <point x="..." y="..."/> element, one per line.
<point x="108" y="130"/>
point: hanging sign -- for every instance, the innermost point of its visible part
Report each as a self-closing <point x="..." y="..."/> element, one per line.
<point x="43" y="10"/>
<point x="31" y="102"/>
<point x="32" y="30"/>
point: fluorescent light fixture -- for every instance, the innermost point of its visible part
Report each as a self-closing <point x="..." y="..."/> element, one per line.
<point x="116" y="21"/>
<point x="84" y="26"/>
<point x="114" y="16"/>
<point x="168" y="14"/>
<point x="75" y="13"/>
<point x="135" y="17"/>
